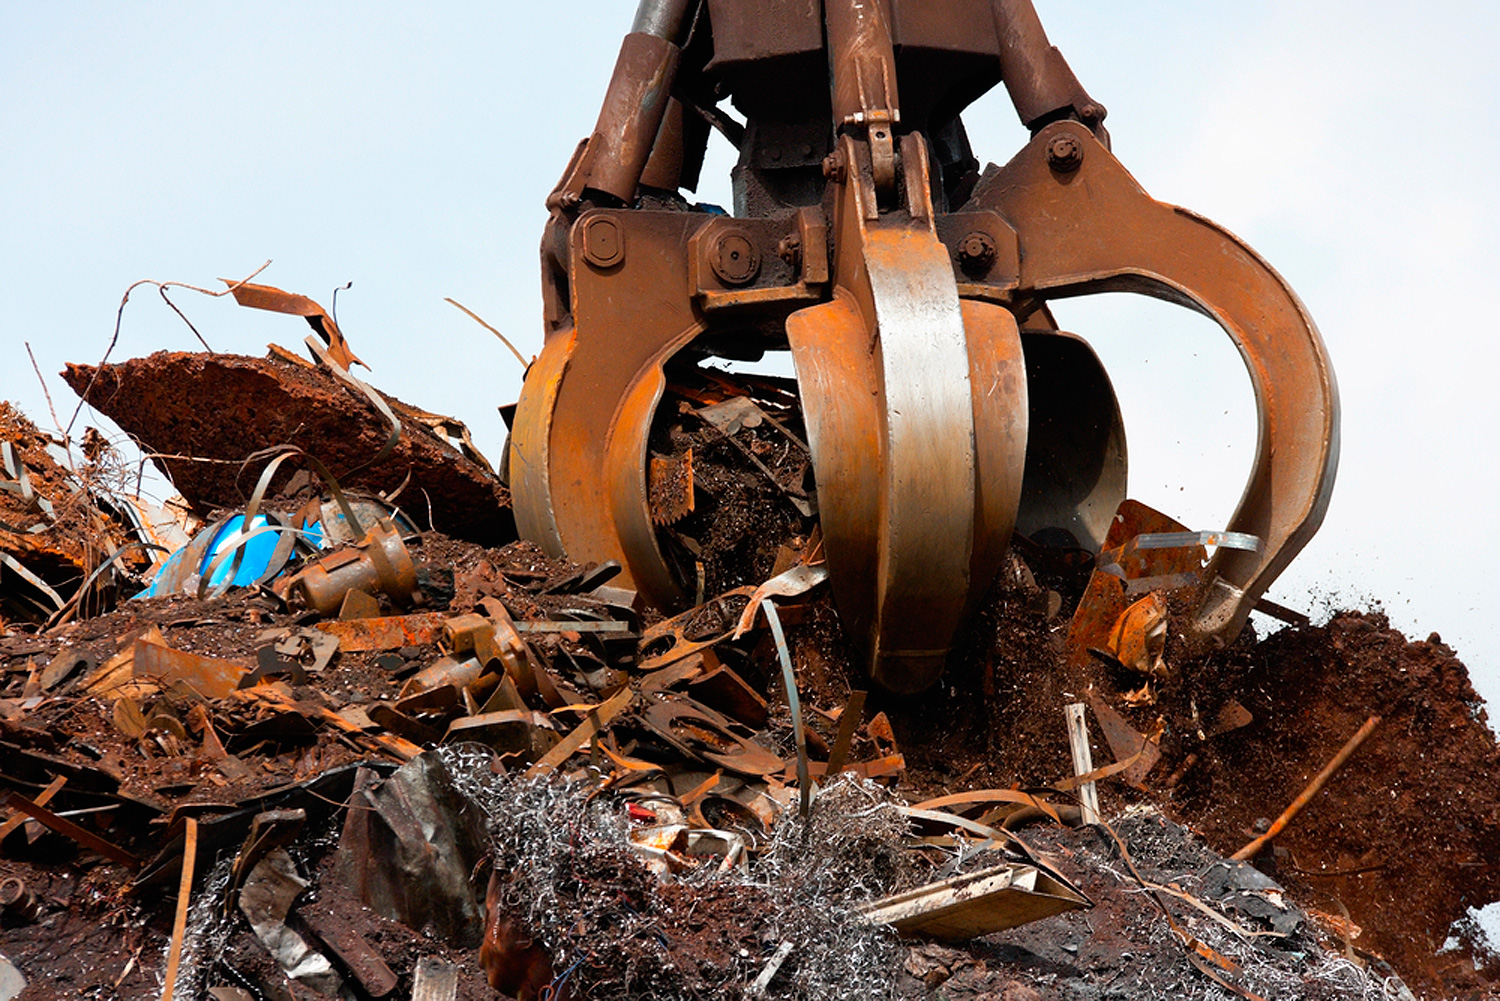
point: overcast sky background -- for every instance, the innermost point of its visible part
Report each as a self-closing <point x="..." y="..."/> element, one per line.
<point x="1354" y="144"/>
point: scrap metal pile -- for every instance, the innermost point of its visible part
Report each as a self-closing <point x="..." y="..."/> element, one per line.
<point x="361" y="760"/>
<point x="871" y="682"/>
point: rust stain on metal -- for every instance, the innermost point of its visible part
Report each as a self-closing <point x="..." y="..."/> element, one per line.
<point x="670" y="488"/>
<point x="209" y="677"/>
<point x="386" y="633"/>
<point x="204" y="414"/>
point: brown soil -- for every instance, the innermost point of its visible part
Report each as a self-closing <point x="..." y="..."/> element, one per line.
<point x="1405" y="837"/>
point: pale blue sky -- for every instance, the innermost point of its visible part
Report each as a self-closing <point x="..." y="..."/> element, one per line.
<point x="408" y="151"/>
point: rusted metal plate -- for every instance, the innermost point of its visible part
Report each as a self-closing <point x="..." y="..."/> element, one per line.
<point x="1106" y="597"/>
<point x="978" y="903"/>
<point x="188" y="407"/>
<point x="1125" y="741"/>
<point x="209" y="677"/>
<point x="386" y="633"/>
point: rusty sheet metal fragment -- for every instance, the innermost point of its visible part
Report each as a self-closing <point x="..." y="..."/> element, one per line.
<point x="978" y="903"/>
<point x="509" y="731"/>
<point x="408" y="847"/>
<point x="1125" y="742"/>
<point x="1106" y="597"/>
<point x="1232" y="716"/>
<point x="187" y="407"/>
<point x="388" y="633"/>
<point x="722" y="689"/>
<point x="270" y="695"/>
<point x="209" y="677"/>
<point x="434" y="980"/>
<point x="673" y="633"/>
<point x="359" y="604"/>
<point x="266" y="901"/>
<point x="791" y="583"/>
<point x="570" y="626"/>
<point x="670" y="488"/>
<point x="1139" y="636"/>
<point x="276" y="300"/>
<point x="699" y="732"/>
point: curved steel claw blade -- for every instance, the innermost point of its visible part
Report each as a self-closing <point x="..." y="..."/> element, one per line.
<point x="915" y="404"/>
<point x="1091" y="228"/>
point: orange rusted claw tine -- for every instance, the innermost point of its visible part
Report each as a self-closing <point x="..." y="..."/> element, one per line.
<point x="578" y="451"/>
<point x="915" y="405"/>
<point x="1085" y="226"/>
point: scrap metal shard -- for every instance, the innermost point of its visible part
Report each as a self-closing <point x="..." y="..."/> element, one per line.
<point x="44" y="522"/>
<point x="199" y="415"/>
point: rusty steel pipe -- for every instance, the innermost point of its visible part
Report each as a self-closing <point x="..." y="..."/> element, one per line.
<point x="862" y="60"/>
<point x="635" y="103"/>
<point x="1038" y="79"/>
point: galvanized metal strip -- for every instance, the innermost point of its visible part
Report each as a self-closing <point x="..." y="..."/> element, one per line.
<point x="789" y="677"/>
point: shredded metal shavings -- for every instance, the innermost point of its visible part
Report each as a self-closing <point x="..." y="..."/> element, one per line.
<point x="617" y="931"/>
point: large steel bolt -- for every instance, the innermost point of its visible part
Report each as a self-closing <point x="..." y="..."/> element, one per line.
<point x="977" y="253"/>
<point x="1065" y="153"/>
<point x="834" y="167"/>
<point x="789" y="249"/>
<point x="734" y="258"/>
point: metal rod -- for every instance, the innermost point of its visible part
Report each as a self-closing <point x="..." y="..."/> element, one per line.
<point x="1313" y="788"/>
<point x="67" y="828"/>
<point x="184" y="894"/>
<point x="666" y="19"/>
<point x="804" y="779"/>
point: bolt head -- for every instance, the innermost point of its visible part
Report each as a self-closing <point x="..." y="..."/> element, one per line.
<point x="1065" y="153"/>
<point x="977" y="253"/>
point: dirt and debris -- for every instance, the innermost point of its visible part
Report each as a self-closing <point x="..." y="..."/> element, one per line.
<point x="508" y="776"/>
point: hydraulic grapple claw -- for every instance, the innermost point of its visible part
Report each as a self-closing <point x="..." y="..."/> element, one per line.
<point x="943" y="408"/>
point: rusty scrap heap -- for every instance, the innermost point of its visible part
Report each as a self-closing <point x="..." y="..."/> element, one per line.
<point x="867" y="683"/>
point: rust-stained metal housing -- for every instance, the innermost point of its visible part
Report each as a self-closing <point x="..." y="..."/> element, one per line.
<point x="944" y="409"/>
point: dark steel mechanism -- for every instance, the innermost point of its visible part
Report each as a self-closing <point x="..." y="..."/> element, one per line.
<point x="945" y="410"/>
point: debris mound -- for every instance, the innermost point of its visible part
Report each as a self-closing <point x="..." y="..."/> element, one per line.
<point x="323" y="753"/>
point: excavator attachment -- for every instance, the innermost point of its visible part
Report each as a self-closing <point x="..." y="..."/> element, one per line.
<point x="944" y="410"/>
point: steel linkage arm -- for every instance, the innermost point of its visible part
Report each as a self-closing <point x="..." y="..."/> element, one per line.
<point x="612" y="160"/>
<point x="1037" y="77"/>
<point x="915" y="401"/>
